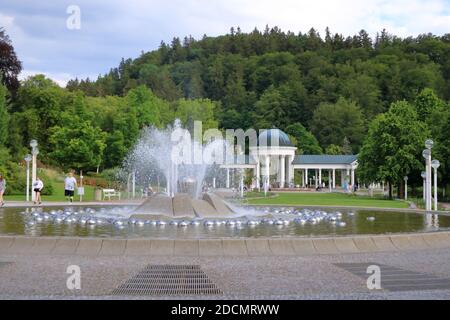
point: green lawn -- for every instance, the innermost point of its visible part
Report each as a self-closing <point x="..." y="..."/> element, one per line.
<point x="327" y="199"/>
<point x="58" y="194"/>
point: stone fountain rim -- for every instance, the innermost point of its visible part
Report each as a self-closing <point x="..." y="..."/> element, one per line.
<point x="292" y="246"/>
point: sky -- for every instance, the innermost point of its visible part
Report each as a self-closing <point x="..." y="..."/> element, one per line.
<point x="112" y="29"/>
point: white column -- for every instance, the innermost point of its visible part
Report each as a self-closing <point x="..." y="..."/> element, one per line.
<point x="320" y="177"/>
<point x="406" y="190"/>
<point x="283" y="172"/>
<point x="353" y="177"/>
<point x="288" y="165"/>
<point x="330" y="181"/>
<point x="315" y="176"/>
<point x="424" y="191"/>
<point x="28" y="181"/>
<point x="33" y="175"/>
<point x="228" y="178"/>
<point x="435" y="190"/>
<point x="334" y="178"/>
<point x="429" y="201"/>
<point x="134" y="185"/>
<point x="258" y="175"/>
<point x="268" y="169"/>
<point x="291" y="169"/>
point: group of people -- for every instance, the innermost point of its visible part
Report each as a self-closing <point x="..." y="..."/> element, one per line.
<point x="70" y="184"/>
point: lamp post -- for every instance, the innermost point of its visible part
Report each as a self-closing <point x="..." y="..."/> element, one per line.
<point x="427" y="156"/>
<point x="435" y="164"/>
<point x="424" y="177"/>
<point x="406" y="187"/>
<point x="34" y="153"/>
<point x="28" y="159"/>
<point x="429" y="145"/>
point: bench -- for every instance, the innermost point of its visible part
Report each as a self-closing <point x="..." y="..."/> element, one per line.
<point x="111" y="193"/>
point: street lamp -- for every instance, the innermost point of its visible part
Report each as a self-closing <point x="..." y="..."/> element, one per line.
<point x="424" y="177"/>
<point x="34" y="153"/>
<point x="427" y="155"/>
<point x="435" y="164"/>
<point x="28" y="159"/>
<point x="406" y="187"/>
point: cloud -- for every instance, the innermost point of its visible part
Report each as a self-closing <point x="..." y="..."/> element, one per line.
<point x="114" y="29"/>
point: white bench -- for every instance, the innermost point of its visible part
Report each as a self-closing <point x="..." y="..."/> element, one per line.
<point x="111" y="193"/>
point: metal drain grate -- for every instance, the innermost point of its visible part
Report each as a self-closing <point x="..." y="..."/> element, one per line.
<point x="173" y="280"/>
<point x="397" y="279"/>
<point x="4" y="264"/>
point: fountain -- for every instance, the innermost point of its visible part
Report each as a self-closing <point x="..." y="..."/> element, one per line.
<point x="154" y="158"/>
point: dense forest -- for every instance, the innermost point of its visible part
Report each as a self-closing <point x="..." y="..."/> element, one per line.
<point x="329" y="92"/>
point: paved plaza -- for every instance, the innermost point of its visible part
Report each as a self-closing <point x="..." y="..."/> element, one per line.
<point x="252" y="275"/>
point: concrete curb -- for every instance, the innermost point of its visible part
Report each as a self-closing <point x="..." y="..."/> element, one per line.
<point x="222" y="247"/>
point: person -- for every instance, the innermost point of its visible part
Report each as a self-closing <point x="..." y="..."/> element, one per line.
<point x="2" y="189"/>
<point x="70" y="183"/>
<point x="38" y="185"/>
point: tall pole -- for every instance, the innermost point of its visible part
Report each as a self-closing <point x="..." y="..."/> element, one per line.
<point x="27" y="159"/>
<point x="81" y="186"/>
<point x="424" y="191"/>
<point x="134" y="185"/>
<point x="406" y="188"/>
<point x="429" y="183"/>
<point x="28" y="181"/>
<point x="34" y="153"/>
<point x="435" y="190"/>
<point x="242" y="184"/>
<point x="435" y="164"/>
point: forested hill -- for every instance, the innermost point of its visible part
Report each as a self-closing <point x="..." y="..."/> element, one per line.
<point x="274" y="78"/>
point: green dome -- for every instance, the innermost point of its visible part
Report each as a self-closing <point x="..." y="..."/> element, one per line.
<point x="265" y="138"/>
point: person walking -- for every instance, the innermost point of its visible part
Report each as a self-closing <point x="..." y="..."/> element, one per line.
<point x="70" y="183"/>
<point x="2" y="189"/>
<point x="38" y="185"/>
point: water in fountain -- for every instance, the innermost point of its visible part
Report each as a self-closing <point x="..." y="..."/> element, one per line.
<point x="153" y="162"/>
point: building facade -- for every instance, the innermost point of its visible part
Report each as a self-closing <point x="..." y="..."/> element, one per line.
<point x="274" y="163"/>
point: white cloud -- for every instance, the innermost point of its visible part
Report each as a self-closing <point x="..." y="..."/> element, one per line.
<point x="60" y="78"/>
<point x="114" y="29"/>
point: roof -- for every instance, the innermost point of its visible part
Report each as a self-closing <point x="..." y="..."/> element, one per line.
<point x="265" y="138"/>
<point x="325" y="159"/>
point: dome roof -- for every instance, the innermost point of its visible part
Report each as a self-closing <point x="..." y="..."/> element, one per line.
<point x="265" y="138"/>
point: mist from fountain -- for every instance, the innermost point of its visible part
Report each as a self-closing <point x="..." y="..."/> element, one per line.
<point x="152" y="162"/>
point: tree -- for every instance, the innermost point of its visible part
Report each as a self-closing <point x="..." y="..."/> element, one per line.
<point x="331" y="123"/>
<point x="393" y="146"/>
<point x="189" y="111"/>
<point x="115" y="150"/>
<point x="440" y="129"/>
<point x="150" y="110"/>
<point x="426" y="103"/>
<point x="270" y="111"/>
<point x="79" y="146"/>
<point x="306" y="142"/>
<point x="4" y="116"/>
<point x="346" y="147"/>
<point x="334" y="150"/>
<point x="10" y="66"/>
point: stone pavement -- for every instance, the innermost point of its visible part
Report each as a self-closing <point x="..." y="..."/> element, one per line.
<point x="35" y="268"/>
<point x="239" y="277"/>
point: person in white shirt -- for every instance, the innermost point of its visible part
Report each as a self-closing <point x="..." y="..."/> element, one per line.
<point x="70" y="183"/>
<point x="38" y="185"/>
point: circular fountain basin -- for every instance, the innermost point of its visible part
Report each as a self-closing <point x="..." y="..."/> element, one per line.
<point x="119" y="222"/>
